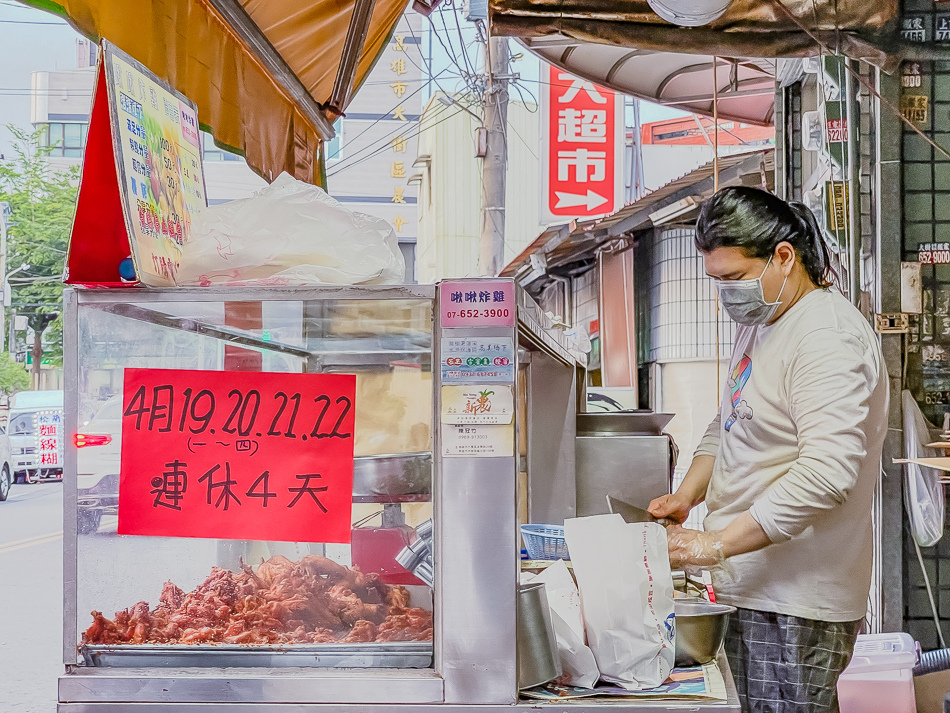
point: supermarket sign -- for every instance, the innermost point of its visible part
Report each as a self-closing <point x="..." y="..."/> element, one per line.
<point x="582" y="148"/>
<point x="238" y="456"/>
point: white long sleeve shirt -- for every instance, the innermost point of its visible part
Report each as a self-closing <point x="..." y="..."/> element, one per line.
<point x="798" y="443"/>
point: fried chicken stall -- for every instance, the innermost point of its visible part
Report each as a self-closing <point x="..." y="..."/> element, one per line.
<point x="308" y="498"/>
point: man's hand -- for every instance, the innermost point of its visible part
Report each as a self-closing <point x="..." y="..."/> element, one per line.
<point x="673" y="507"/>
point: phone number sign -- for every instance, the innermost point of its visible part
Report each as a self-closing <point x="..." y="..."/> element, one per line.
<point x="233" y="455"/>
<point x="477" y="303"/>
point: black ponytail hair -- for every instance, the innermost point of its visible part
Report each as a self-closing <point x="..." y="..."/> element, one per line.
<point x="757" y="221"/>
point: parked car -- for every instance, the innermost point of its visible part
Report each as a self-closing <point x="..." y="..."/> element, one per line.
<point x="6" y="472"/>
<point x="36" y="431"/>
<point x="98" y="447"/>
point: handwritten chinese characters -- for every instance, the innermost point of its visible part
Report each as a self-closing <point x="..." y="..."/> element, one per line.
<point x="205" y="456"/>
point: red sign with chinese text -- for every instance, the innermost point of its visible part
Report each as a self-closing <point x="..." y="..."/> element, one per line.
<point x="583" y="161"/>
<point x="230" y="455"/>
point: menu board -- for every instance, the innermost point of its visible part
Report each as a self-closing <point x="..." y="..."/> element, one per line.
<point x="141" y="182"/>
<point x="158" y="152"/>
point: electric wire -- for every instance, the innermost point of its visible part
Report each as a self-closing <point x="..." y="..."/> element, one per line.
<point x="383" y="148"/>
<point x="384" y="141"/>
<point x="401" y="101"/>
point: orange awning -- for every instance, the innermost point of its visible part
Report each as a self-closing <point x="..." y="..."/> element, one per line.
<point x="268" y="77"/>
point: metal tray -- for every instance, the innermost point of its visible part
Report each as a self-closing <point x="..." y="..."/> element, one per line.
<point x="402" y="654"/>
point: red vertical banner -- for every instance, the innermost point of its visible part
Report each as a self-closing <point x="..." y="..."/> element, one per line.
<point x="583" y="159"/>
<point x="218" y="454"/>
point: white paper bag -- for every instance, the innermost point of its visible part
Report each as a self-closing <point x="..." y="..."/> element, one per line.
<point x="577" y="660"/>
<point x="626" y="588"/>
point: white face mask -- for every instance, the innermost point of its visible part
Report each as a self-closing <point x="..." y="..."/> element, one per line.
<point x="744" y="300"/>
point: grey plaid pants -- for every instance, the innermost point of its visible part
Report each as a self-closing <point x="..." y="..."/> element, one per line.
<point x="786" y="664"/>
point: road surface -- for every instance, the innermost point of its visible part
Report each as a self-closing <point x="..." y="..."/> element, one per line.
<point x="31" y="586"/>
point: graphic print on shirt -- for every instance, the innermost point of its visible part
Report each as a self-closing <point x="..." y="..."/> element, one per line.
<point x="740" y="375"/>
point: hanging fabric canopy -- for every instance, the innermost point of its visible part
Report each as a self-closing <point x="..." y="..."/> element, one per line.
<point x="269" y="78"/>
<point x="632" y="50"/>
<point x="862" y="29"/>
<point x="746" y="88"/>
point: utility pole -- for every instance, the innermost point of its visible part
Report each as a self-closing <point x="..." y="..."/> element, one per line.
<point x="4" y="213"/>
<point x="491" y="254"/>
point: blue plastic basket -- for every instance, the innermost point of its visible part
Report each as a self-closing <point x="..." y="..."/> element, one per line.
<point x="545" y="542"/>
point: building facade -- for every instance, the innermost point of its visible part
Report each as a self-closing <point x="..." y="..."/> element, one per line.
<point x="369" y="163"/>
<point x="450" y="187"/>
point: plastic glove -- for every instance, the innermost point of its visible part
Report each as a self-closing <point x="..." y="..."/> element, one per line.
<point x="695" y="549"/>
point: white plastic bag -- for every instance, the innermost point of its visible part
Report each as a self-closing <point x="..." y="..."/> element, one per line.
<point x="925" y="497"/>
<point x="577" y="660"/>
<point x="626" y="588"/>
<point x="289" y="233"/>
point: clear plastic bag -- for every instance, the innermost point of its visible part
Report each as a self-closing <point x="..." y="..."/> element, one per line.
<point x="290" y="233"/>
<point x="924" y="493"/>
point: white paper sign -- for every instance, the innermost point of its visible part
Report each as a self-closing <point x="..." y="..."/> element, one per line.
<point x="477" y="441"/>
<point x="491" y="404"/>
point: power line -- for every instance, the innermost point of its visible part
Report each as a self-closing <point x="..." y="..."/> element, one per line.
<point x="385" y="141"/>
<point x="383" y="148"/>
<point x="382" y="143"/>
<point x="401" y="100"/>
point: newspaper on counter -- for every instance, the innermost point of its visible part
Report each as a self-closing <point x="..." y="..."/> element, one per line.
<point x="695" y="683"/>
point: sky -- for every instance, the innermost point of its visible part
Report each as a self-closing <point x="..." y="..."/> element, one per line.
<point x="32" y="40"/>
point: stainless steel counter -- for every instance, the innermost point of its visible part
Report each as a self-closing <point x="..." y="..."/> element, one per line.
<point x="299" y="689"/>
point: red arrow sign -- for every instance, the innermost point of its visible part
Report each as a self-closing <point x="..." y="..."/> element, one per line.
<point x="584" y="127"/>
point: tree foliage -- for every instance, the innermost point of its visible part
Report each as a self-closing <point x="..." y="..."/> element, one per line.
<point x="13" y="377"/>
<point x="43" y="203"/>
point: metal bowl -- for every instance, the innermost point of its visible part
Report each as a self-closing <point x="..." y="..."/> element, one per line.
<point x="392" y="474"/>
<point x="700" y="630"/>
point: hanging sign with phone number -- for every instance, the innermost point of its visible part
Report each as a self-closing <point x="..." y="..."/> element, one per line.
<point x="236" y="455"/>
<point x="477" y="303"/>
<point x="934" y="253"/>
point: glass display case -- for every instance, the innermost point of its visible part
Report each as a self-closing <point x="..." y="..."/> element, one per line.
<point x="417" y="605"/>
<point x="199" y="602"/>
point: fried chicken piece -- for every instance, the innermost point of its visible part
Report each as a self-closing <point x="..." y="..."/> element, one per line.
<point x="274" y="570"/>
<point x="171" y="598"/>
<point x="140" y="623"/>
<point x="103" y="631"/>
<point x="193" y="636"/>
<point x="406" y="625"/>
<point x="362" y="632"/>
<point x="314" y="600"/>
<point x="398" y="597"/>
<point x="319" y="636"/>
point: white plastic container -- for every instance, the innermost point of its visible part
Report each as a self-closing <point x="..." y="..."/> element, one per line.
<point x="880" y="677"/>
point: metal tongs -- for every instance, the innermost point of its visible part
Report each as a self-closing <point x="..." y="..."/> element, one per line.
<point x="631" y="513"/>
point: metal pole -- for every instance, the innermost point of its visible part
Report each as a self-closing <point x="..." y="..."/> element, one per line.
<point x="3" y="269"/>
<point x="716" y="132"/>
<point x="853" y="117"/>
<point x="494" y="166"/>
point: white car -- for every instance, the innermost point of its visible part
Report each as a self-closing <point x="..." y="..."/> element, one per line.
<point x="6" y="472"/>
<point x="98" y="448"/>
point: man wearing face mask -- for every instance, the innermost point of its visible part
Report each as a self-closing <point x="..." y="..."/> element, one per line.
<point x="789" y="466"/>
